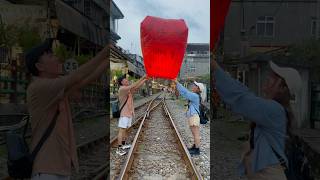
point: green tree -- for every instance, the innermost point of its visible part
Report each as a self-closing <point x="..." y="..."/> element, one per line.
<point x="28" y="37"/>
<point x="116" y="72"/>
<point x="308" y="53"/>
<point x="83" y="58"/>
<point x="63" y="53"/>
<point x="8" y="35"/>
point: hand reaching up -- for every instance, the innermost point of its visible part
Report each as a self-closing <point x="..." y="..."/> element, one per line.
<point x="175" y="80"/>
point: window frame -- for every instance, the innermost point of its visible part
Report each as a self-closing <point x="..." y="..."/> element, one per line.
<point x="265" y="22"/>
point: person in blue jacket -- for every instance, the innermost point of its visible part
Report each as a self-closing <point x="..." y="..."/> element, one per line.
<point x="193" y="111"/>
<point x="270" y="117"/>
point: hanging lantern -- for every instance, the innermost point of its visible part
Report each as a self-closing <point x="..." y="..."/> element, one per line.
<point x="163" y="44"/>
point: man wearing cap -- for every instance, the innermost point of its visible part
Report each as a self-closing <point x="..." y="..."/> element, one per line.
<point x="48" y="95"/>
<point x="126" y="92"/>
<point x="270" y="118"/>
<point x="195" y="97"/>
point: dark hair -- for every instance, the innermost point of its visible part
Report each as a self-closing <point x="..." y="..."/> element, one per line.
<point x="34" y="54"/>
<point x="120" y="79"/>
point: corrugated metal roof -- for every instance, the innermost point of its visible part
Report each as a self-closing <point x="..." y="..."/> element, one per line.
<point x="80" y="25"/>
<point x="102" y="4"/>
<point x="197" y="47"/>
<point x="115" y="11"/>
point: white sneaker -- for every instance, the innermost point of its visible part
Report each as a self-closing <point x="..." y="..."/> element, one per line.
<point x="121" y="152"/>
<point x="126" y="146"/>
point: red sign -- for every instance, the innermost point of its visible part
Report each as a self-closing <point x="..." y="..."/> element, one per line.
<point x="163" y="44"/>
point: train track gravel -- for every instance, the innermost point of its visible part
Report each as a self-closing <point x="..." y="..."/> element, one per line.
<point x="158" y="155"/>
<point x="202" y="161"/>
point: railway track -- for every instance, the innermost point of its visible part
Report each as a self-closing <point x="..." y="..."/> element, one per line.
<point x="157" y="150"/>
<point x="92" y="158"/>
<point x="141" y="110"/>
<point x="113" y="142"/>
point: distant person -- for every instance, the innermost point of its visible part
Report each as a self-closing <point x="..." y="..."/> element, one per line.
<point x="194" y="99"/>
<point x="144" y="92"/>
<point x="126" y="92"/>
<point x="47" y="95"/>
<point x="271" y="119"/>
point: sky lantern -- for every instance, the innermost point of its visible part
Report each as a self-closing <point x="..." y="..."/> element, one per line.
<point x="163" y="44"/>
<point x="218" y="12"/>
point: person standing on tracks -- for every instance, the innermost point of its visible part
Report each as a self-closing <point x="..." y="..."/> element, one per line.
<point x="194" y="98"/>
<point x="271" y="119"/>
<point x="126" y="92"/>
<point x="48" y="95"/>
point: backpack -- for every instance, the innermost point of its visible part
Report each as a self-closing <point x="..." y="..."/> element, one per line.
<point x="202" y="114"/>
<point x="117" y="113"/>
<point x="20" y="159"/>
<point x="298" y="166"/>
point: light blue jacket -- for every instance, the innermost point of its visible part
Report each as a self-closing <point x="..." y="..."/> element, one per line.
<point x="269" y="116"/>
<point x="192" y="97"/>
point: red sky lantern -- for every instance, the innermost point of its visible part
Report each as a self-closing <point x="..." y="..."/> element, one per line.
<point x="218" y="12"/>
<point x="163" y="44"/>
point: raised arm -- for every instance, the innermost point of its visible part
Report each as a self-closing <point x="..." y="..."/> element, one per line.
<point x="75" y="78"/>
<point x="136" y="85"/>
<point x="102" y="68"/>
<point x="244" y="102"/>
<point x="186" y="93"/>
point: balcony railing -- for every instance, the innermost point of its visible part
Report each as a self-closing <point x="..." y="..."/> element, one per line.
<point x="4" y="53"/>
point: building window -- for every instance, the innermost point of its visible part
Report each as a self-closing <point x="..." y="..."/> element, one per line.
<point x="265" y="26"/>
<point x="192" y="68"/>
<point x="87" y="8"/>
<point x="314" y="26"/>
<point x="190" y="60"/>
<point x="112" y="24"/>
<point x="4" y="55"/>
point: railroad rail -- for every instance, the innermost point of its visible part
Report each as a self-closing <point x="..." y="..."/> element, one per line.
<point x="136" y="122"/>
<point x="113" y="142"/>
<point x="156" y="131"/>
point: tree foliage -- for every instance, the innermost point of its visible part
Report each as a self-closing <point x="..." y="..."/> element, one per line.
<point x="28" y="37"/>
<point x="308" y="53"/>
<point x="24" y="36"/>
<point x="8" y="35"/>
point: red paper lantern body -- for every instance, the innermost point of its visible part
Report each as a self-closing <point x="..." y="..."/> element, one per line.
<point x="163" y="44"/>
<point x="218" y="12"/>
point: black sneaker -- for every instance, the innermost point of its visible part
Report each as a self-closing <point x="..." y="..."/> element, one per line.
<point x="195" y="151"/>
<point x="193" y="146"/>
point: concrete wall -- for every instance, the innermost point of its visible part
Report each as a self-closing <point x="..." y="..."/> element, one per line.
<point x="201" y="64"/>
<point x="292" y="23"/>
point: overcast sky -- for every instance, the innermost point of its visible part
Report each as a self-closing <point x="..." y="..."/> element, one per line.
<point x="195" y="13"/>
